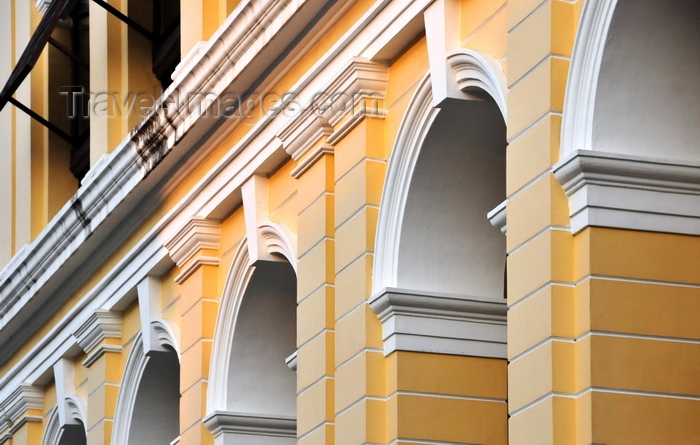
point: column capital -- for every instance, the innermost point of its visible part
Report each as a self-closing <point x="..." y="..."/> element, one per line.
<point x="193" y="245"/>
<point x="102" y="324"/>
<point x="26" y="397"/>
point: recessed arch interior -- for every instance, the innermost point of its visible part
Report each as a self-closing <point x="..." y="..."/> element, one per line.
<point x="73" y="435"/>
<point x="156" y="414"/>
<point x="259" y="381"/>
<point x="648" y="94"/>
<point x="447" y="244"/>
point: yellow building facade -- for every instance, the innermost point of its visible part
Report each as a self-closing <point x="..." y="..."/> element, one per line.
<point x="415" y="222"/>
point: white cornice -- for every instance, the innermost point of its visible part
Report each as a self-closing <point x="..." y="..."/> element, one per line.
<point x="630" y="192"/>
<point x="361" y="81"/>
<point x="223" y="422"/>
<point x="101" y="324"/>
<point x="198" y="234"/>
<point x="23" y="398"/>
<point x="497" y="217"/>
<point x="447" y="324"/>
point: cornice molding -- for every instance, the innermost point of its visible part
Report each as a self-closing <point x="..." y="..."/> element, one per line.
<point x="224" y="422"/>
<point x="361" y="81"/>
<point x="198" y="234"/>
<point x="100" y="325"/>
<point x="447" y="324"/>
<point x="22" y="399"/>
<point x="630" y="192"/>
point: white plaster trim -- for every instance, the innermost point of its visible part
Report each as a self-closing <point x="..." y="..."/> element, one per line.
<point x="167" y="333"/>
<point x="52" y="432"/>
<point x="292" y="361"/>
<point x="255" y="195"/>
<point x="442" y="35"/>
<point x="497" y="217"/>
<point x="71" y="408"/>
<point x="440" y="323"/>
<point x="197" y="234"/>
<point x="99" y="352"/>
<point x="23" y="398"/>
<point x="100" y="325"/>
<point x="478" y="71"/>
<point x="133" y="372"/>
<point x="279" y="241"/>
<point x="413" y="130"/>
<point x="149" y="296"/>
<point x="310" y="159"/>
<point x="223" y="422"/>
<point x="582" y="84"/>
<point x="631" y="192"/>
<point x="234" y="289"/>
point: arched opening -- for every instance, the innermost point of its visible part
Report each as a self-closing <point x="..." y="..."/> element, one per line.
<point x="447" y="244"/>
<point x="648" y="93"/>
<point x="156" y="412"/>
<point x="148" y="407"/>
<point x="56" y="434"/>
<point x="260" y="382"/>
<point x="252" y="382"/>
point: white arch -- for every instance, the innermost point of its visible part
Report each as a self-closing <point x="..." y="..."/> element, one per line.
<point x="52" y="433"/>
<point x="473" y="71"/>
<point x="236" y="284"/>
<point x="582" y="85"/>
<point x="279" y="241"/>
<point x="54" y="430"/>
<point x="133" y="372"/>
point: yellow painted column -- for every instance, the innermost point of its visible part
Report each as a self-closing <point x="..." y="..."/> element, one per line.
<point x="316" y="302"/>
<point x="360" y="167"/>
<point x="547" y="365"/>
<point x="100" y="338"/>
<point x="198" y="306"/>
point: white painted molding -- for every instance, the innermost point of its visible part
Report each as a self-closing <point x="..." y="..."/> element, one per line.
<point x="497" y="217"/>
<point x="582" y="84"/>
<point x="42" y="6"/>
<point x="442" y="35"/>
<point x="419" y="116"/>
<point x="255" y="194"/>
<point x="52" y="432"/>
<point x="23" y="398"/>
<point x="630" y="192"/>
<point x="234" y="289"/>
<point x="100" y="325"/>
<point x="478" y="71"/>
<point x="133" y="371"/>
<point x="279" y="241"/>
<point x="292" y="361"/>
<point x="149" y="296"/>
<point x="310" y="159"/>
<point x="166" y="333"/>
<point x="360" y="81"/>
<point x="198" y="234"/>
<point x="224" y="422"/>
<point x="439" y="323"/>
<point x="303" y="132"/>
<point x="71" y="408"/>
<point x="128" y="390"/>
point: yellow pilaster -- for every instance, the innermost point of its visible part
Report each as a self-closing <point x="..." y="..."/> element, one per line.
<point x="545" y="373"/>
<point x="198" y="305"/>
<point x="360" y="167"/>
<point x="100" y="338"/>
<point x="316" y="304"/>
